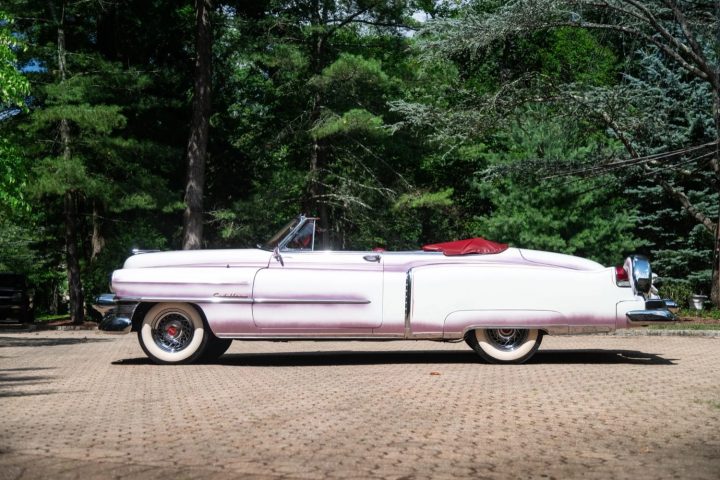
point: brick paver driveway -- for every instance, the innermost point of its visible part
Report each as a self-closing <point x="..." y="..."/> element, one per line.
<point x="84" y="405"/>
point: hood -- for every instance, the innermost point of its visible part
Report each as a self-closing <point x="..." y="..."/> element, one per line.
<point x="200" y="258"/>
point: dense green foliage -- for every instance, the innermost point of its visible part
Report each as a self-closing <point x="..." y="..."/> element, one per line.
<point x="13" y="86"/>
<point x="340" y="109"/>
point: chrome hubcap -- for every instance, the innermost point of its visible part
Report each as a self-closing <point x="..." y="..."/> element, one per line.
<point x="173" y="332"/>
<point x="507" y="338"/>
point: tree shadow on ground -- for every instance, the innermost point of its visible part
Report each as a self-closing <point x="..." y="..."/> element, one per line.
<point x="46" y="342"/>
<point x="311" y="359"/>
<point x="14" y="381"/>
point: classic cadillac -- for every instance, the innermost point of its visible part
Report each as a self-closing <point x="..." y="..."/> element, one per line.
<point x="189" y="305"/>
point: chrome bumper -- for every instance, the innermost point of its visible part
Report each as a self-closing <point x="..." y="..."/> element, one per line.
<point x="117" y="315"/>
<point x="656" y="312"/>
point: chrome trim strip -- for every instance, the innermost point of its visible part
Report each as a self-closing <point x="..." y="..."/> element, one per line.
<point x="289" y="301"/>
<point x="188" y="300"/>
<point x="408" y="301"/>
<point x="234" y="284"/>
<point x="323" y="301"/>
<point x="334" y="338"/>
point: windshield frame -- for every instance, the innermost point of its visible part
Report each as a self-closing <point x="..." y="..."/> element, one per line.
<point x="285" y="233"/>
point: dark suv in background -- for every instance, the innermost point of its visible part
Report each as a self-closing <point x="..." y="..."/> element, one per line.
<point x="15" y="303"/>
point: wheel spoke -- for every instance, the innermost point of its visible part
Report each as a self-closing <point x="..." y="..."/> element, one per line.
<point x="507" y="338"/>
<point x="173" y="332"/>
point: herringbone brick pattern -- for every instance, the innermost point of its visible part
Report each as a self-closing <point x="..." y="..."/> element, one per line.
<point x="86" y="405"/>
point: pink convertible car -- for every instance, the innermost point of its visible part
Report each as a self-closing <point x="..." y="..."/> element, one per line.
<point x="190" y="305"/>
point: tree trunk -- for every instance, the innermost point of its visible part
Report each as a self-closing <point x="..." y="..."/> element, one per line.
<point x="54" y="294"/>
<point x="199" y="128"/>
<point x="77" y="307"/>
<point x="98" y="240"/>
<point x="77" y="301"/>
<point x="317" y="204"/>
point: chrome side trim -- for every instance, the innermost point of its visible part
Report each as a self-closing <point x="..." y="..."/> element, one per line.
<point x="189" y="300"/>
<point x="285" y="338"/>
<point x="408" y="303"/>
<point x="289" y="301"/>
<point x="232" y="284"/>
<point x="323" y="301"/>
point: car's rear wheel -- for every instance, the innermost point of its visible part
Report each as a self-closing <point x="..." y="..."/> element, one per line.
<point x="173" y="333"/>
<point x="505" y="345"/>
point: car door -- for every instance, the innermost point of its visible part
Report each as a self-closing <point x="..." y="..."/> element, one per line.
<point x="319" y="291"/>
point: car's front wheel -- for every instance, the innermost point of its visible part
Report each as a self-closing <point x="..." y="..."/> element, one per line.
<point x="505" y="345"/>
<point x="215" y="348"/>
<point x="173" y="333"/>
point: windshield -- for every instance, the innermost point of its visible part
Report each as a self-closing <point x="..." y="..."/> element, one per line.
<point x="282" y="233"/>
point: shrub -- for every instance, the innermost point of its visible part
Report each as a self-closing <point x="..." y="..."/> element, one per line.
<point x="678" y="290"/>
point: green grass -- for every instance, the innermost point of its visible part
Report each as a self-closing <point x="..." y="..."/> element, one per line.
<point x="710" y="403"/>
<point x="685" y="326"/>
<point x="51" y="318"/>
<point x="713" y="313"/>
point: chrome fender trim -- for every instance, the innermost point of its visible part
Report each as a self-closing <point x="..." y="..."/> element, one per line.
<point x="408" y="303"/>
<point x="258" y="300"/>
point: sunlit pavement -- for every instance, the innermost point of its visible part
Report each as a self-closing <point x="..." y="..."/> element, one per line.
<point x="86" y="405"/>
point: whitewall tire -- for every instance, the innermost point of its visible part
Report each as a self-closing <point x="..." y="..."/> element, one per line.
<point x="173" y="333"/>
<point x="505" y="345"/>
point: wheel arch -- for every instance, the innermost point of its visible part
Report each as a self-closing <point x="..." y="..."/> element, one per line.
<point x="542" y="330"/>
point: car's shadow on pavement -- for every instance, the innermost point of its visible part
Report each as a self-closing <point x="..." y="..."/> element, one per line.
<point x="312" y="359"/>
<point x="600" y="356"/>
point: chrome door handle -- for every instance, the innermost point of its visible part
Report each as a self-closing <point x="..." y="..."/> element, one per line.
<point x="371" y="258"/>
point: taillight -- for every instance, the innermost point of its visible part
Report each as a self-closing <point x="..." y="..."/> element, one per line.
<point x="621" y="276"/>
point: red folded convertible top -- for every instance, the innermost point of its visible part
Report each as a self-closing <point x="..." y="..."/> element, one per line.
<point x="467" y="246"/>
